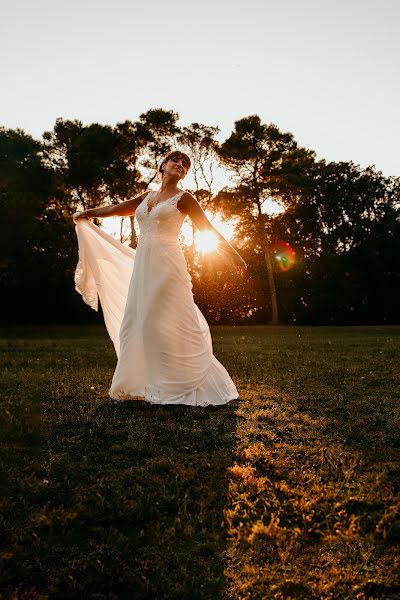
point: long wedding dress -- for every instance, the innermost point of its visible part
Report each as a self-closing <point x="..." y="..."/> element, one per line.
<point x="161" y="338"/>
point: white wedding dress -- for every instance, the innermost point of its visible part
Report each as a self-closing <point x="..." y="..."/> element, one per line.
<point x="161" y="338"/>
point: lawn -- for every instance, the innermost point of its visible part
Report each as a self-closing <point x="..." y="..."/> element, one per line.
<point x="292" y="491"/>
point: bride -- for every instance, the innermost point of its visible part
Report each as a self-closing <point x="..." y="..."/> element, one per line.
<point x="161" y="338"/>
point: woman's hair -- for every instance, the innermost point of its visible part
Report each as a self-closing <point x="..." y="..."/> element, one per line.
<point x="174" y="154"/>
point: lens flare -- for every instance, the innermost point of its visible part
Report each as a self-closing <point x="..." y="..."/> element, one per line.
<point x="284" y="255"/>
<point x="206" y="241"/>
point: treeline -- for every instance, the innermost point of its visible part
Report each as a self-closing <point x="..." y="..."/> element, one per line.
<point x="330" y="257"/>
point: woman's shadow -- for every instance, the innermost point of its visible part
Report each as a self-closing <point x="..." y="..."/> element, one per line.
<point x="164" y="481"/>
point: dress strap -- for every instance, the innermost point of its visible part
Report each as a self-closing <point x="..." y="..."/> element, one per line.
<point x="175" y="199"/>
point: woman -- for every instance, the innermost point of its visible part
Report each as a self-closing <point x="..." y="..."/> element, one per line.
<point x="161" y="338"/>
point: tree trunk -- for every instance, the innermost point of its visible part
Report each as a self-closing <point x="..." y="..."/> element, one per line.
<point x="133" y="242"/>
<point x="271" y="283"/>
<point x="121" y="228"/>
<point x="268" y="264"/>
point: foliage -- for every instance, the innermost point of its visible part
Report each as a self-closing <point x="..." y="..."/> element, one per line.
<point x="341" y="221"/>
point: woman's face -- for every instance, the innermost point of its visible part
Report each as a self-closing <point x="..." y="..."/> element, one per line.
<point x="176" y="165"/>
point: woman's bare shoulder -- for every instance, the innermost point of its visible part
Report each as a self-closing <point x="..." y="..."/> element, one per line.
<point x="187" y="199"/>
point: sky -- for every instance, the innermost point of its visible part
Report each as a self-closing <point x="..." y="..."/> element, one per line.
<point x="326" y="71"/>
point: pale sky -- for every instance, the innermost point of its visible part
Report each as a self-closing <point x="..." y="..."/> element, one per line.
<point x="325" y="70"/>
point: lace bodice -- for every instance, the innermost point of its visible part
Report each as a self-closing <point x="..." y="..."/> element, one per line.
<point x="164" y="221"/>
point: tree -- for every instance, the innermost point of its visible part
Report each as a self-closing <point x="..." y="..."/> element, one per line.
<point x="96" y="164"/>
<point x="158" y="127"/>
<point x="125" y="178"/>
<point x="25" y="185"/>
<point x="198" y="141"/>
<point x="344" y="222"/>
<point x="337" y="208"/>
<point x="261" y="156"/>
<point x="82" y="158"/>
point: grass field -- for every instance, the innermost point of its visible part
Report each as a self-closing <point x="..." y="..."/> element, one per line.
<point x="292" y="491"/>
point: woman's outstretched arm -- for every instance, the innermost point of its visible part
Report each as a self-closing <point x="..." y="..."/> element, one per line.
<point x="123" y="209"/>
<point x="191" y="207"/>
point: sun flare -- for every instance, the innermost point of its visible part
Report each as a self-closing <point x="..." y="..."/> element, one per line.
<point x="205" y="241"/>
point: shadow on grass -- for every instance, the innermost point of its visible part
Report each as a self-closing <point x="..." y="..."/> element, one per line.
<point x="119" y="501"/>
<point x="103" y="499"/>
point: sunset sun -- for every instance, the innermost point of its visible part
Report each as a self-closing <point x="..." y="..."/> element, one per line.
<point x="206" y="241"/>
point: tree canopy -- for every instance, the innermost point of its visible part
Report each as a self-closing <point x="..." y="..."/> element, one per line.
<point x="329" y="255"/>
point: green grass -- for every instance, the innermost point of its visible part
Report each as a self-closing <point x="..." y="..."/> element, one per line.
<point x="292" y="491"/>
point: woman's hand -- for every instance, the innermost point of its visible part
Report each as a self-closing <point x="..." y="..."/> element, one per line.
<point x="239" y="264"/>
<point x="82" y="215"/>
